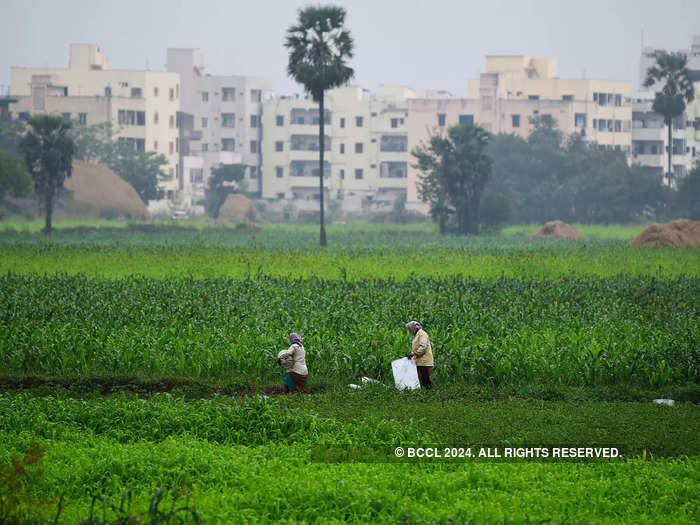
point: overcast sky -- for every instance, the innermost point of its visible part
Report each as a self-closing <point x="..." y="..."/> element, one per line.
<point x="434" y="44"/>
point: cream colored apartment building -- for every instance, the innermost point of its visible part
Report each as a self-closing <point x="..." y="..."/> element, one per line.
<point x="142" y="106"/>
<point x="366" y="149"/>
<point x="649" y="131"/>
<point x="515" y="88"/>
<point x="227" y="123"/>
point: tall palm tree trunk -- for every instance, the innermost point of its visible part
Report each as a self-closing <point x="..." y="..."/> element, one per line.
<point x="670" y="152"/>
<point x="49" y="212"/>
<point x="321" y="137"/>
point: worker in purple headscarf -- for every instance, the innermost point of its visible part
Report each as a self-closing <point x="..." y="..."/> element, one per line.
<point x="293" y="359"/>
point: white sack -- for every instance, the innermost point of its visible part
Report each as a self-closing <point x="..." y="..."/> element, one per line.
<point x="405" y="374"/>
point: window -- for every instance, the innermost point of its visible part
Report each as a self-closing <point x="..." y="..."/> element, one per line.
<point x="393" y="143"/>
<point x="342" y="174"/>
<point x="205" y="96"/>
<point x="308" y="168"/>
<point x="602" y="124"/>
<point x="196" y="175"/>
<point x="279" y="120"/>
<point x="394" y="123"/>
<point x="515" y="120"/>
<point x="171" y="121"/>
<point x="255" y="95"/>
<point x="359" y="174"/>
<point x="441" y="119"/>
<point x="136" y="93"/>
<point x="155" y="117"/>
<point x="228" y="144"/>
<point x="279" y="171"/>
<point x="228" y="120"/>
<point x="155" y="91"/>
<point x="253" y="172"/>
<point x="342" y="122"/>
<point x="66" y="116"/>
<point x="23" y="115"/>
<point x="618" y="100"/>
<point x="342" y="148"/>
<point x="610" y="124"/>
<point x="253" y="121"/>
<point x="359" y="121"/>
<point x="580" y="120"/>
<point x="393" y="170"/>
<point x="171" y="94"/>
<point x="309" y="143"/>
<point x="171" y="147"/>
<point x="39" y="97"/>
<point x="82" y="118"/>
<point x="567" y="98"/>
<point x="279" y="146"/>
<point x="595" y="97"/>
<point x="253" y="146"/>
<point x="155" y="145"/>
<point x="205" y="146"/>
<point x="374" y="114"/>
<point x="533" y="97"/>
<point x="359" y="147"/>
<point x="131" y="118"/>
<point x="228" y="94"/>
<point x="205" y="122"/>
<point x="618" y="125"/>
<point x="108" y="91"/>
<point x="466" y="119"/>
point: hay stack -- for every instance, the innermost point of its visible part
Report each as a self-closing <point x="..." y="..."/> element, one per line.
<point x="99" y="187"/>
<point x="237" y="208"/>
<point x="557" y="230"/>
<point x="679" y="233"/>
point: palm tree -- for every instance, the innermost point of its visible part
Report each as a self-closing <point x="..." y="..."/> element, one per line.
<point x="319" y="46"/>
<point x="48" y="150"/>
<point x="676" y="93"/>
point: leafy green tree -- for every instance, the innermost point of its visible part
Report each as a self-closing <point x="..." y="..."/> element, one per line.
<point x="48" y="151"/>
<point x="14" y="178"/>
<point x="319" y="47"/>
<point x="677" y="91"/>
<point x="455" y="169"/>
<point x="11" y="132"/>
<point x="143" y="170"/>
<point x="92" y="143"/>
<point x="224" y="180"/>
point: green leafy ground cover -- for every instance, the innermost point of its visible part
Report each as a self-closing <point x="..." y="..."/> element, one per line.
<point x="242" y="460"/>
<point x="537" y="342"/>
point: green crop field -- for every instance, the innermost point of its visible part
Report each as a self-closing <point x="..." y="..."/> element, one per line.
<point x="137" y="362"/>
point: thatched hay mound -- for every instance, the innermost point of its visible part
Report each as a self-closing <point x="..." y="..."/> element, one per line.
<point x="100" y="188"/>
<point x="679" y="233"/>
<point x="237" y="208"/>
<point x="557" y="230"/>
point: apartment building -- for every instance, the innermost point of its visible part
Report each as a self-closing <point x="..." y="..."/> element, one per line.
<point x="649" y="131"/>
<point x="515" y="88"/>
<point x="366" y="149"/>
<point x="650" y="138"/>
<point x="226" y="128"/>
<point x="142" y="106"/>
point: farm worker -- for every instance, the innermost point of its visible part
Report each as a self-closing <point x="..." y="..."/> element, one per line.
<point x="293" y="359"/>
<point x="422" y="350"/>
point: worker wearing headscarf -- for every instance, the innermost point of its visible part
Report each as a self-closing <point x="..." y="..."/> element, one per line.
<point x="293" y="359"/>
<point x="422" y="352"/>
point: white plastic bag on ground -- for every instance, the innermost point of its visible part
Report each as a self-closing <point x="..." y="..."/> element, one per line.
<point x="405" y="374"/>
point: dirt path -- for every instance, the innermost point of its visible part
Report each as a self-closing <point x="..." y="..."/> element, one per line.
<point x="111" y="385"/>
